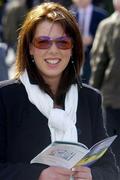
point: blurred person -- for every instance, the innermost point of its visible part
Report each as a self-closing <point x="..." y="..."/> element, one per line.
<point x="2" y="5"/>
<point x="36" y="108"/>
<point x="7" y="60"/>
<point x="105" y="61"/>
<point x="13" y="17"/>
<point x="88" y="17"/>
<point x="3" y="64"/>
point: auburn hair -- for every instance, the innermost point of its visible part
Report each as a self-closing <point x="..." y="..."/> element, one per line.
<point x="53" y="12"/>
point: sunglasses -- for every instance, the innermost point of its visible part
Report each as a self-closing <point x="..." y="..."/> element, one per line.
<point x="45" y="42"/>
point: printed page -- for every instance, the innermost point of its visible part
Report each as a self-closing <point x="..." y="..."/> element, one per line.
<point x="96" y="151"/>
<point x="61" y="155"/>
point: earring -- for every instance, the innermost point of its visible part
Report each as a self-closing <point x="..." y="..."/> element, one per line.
<point x="32" y="59"/>
<point x="72" y="62"/>
<point x="78" y="79"/>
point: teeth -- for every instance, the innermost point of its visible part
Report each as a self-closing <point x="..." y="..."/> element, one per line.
<point x="52" y="61"/>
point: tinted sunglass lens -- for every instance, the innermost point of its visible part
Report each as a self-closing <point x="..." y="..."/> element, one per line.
<point x="45" y="42"/>
<point x="64" y="44"/>
<point x="42" y="44"/>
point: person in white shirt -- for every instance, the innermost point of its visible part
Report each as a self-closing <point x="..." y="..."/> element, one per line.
<point x="88" y="17"/>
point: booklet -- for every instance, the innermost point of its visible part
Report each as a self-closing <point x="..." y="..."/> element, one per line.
<point x="69" y="154"/>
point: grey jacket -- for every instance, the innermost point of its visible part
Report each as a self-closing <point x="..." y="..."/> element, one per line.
<point x="105" y="60"/>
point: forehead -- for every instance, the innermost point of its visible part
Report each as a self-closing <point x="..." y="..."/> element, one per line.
<point x="49" y="28"/>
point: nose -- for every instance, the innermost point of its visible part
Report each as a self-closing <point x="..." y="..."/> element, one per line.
<point x="53" y="47"/>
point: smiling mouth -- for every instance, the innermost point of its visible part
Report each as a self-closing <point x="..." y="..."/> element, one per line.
<point x="52" y="61"/>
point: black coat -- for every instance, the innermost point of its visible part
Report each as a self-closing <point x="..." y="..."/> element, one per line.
<point x="24" y="133"/>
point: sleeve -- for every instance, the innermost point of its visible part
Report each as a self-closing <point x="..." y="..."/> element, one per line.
<point x="8" y="170"/>
<point x="99" y="56"/>
<point x="105" y="168"/>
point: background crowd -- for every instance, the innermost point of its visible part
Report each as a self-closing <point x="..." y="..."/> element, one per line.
<point x="99" y="22"/>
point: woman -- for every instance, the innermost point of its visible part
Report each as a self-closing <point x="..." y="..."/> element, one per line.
<point x="47" y="101"/>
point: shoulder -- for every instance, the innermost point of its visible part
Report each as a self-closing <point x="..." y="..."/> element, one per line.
<point x="13" y="93"/>
<point x="9" y="83"/>
<point x="90" y="93"/>
<point x="89" y="89"/>
<point x="100" y="11"/>
<point x="10" y="87"/>
<point x="73" y="10"/>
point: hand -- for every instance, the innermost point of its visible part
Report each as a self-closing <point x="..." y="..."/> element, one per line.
<point x="55" y="173"/>
<point x="82" y="173"/>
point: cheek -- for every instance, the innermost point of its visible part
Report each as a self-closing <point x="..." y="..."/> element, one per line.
<point x="66" y="60"/>
<point x="38" y="55"/>
<point x="67" y="55"/>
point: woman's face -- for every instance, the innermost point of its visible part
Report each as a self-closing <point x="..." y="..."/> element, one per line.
<point x="51" y="60"/>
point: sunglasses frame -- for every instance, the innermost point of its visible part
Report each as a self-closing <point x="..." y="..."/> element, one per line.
<point x="59" y="42"/>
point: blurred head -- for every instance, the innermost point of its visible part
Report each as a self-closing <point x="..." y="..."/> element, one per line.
<point x="116" y="4"/>
<point x="35" y="24"/>
<point x="82" y="3"/>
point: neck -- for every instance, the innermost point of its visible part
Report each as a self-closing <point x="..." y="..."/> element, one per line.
<point x="53" y="83"/>
<point x="84" y="6"/>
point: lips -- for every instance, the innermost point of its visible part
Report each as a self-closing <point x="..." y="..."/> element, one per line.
<point x="52" y="61"/>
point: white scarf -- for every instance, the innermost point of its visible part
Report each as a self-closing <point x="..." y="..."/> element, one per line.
<point x="60" y="122"/>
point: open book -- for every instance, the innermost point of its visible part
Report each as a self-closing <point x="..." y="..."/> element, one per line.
<point x="69" y="154"/>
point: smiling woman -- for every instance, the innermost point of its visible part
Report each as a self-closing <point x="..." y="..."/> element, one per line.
<point x="51" y="53"/>
<point x="46" y="101"/>
<point x="53" y="23"/>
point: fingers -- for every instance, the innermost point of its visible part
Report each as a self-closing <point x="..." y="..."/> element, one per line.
<point x="82" y="173"/>
<point x="63" y="171"/>
<point x="55" y="173"/>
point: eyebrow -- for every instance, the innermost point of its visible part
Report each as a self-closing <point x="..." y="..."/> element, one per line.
<point x="65" y="36"/>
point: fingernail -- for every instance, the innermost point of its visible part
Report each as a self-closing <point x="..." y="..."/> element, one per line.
<point x="73" y="169"/>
